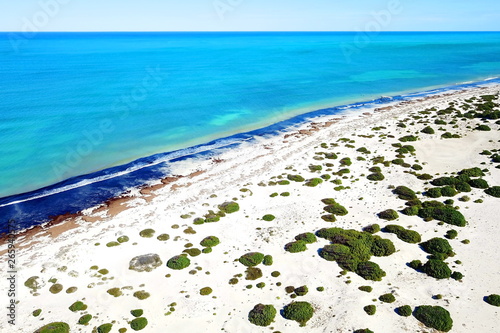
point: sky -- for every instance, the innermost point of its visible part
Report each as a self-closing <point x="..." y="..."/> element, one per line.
<point x="249" y="15"/>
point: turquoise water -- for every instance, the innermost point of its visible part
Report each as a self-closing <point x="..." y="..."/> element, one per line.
<point x="75" y="103"/>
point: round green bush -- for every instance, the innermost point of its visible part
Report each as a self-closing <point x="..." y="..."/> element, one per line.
<point x="404" y="311"/>
<point x="463" y="187"/>
<point x="448" y="191"/>
<point x="275" y="274"/>
<point x="482" y="128"/>
<point x="404" y="193"/>
<point x="163" y="237"/>
<point x="268" y="217"/>
<point x="137" y="313"/>
<point x="387" y="298"/>
<point x="147" y="233"/>
<point x="205" y="291"/>
<point x="141" y="295"/>
<point x="472" y="172"/>
<point x="457" y="276"/>
<point x="372" y="229"/>
<point x="210" y="241"/>
<point x="138" y="324"/>
<point x="434" y="317"/>
<point x="408" y="236"/>
<point x="295" y="178"/>
<point x="251" y="259"/>
<point x="104" y="328"/>
<point x="410" y="211"/>
<point x="295" y="247"/>
<point x="56" y="288"/>
<point x="437" y="269"/>
<point x="178" y="262"/>
<point x="451" y="234"/>
<point x="370" y="271"/>
<point x="367" y="289"/>
<point x="428" y="130"/>
<point x="494" y="191"/>
<point x="262" y="315"/>
<point x="78" y="306"/>
<point x="363" y="330"/>
<point x="445" y="214"/>
<point x="375" y="177"/>
<point x="313" y="182"/>
<point x="493" y="299"/>
<point x="253" y="273"/>
<point x="36" y="313"/>
<point x="389" y="215"/>
<point x="301" y="312"/>
<point x="229" y="207"/>
<point x="382" y="247"/>
<point x="436" y="246"/>
<point x="434" y="192"/>
<point x="123" y="239"/>
<point x="268" y="260"/>
<point x="84" y="319"/>
<point x="307" y="237"/>
<point x="336" y="209"/>
<point x="56" y="327"/>
<point x="370" y="309"/>
<point x="301" y="291"/>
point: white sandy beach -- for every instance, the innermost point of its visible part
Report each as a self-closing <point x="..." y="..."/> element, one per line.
<point x="69" y="253"/>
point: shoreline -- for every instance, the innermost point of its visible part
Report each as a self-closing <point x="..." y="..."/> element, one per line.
<point x="212" y="148"/>
<point x="72" y="254"/>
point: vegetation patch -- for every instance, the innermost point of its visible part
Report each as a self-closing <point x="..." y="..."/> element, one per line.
<point x="138" y="324"/>
<point x="314" y="182"/>
<point x="336" y="209"/>
<point x="268" y="260"/>
<point x="437" y="269"/>
<point x="387" y="298"/>
<point x="405" y="193"/>
<point x="389" y="215"/>
<point x="104" y="328"/>
<point x="251" y="259"/>
<point x="253" y="273"/>
<point x="56" y="288"/>
<point x="434" y="317"/>
<point x="296" y="178"/>
<point x="262" y="315"/>
<point x="404" y="311"/>
<point x="295" y="247"/>
<point x="141" y="294"/>
<point x="408" y="236"/>
<point x="229" y="207"/>
<point x="301" y="312"/>
<point x="205" y="291"/>
<point x="178" y="262"/>
<point x="78" y="306"/>
<point x="137" y="313"/>
<point x="438" y="247"/>
<point x="493" y="299"/>
<point x="446" y="214"/>
<point x="307" y="238"/>
<point x="370" y="309"/>
<point x="56" y="327"/>
<point x="147" y="233"/>
<point x="210" y="241"/>
<point x="494" y="191"/>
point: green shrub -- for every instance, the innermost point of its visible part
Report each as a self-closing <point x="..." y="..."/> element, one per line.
<point x="229" y="207"/>
<point x="56" y="288"/>
<point x="205" y="291"/>
<point x="301" y="291"/>
<point x="307" y="237"/>
<point x="457" y="276"/>
<point x="372" y="229"/>
<point x="478" y="183"/>
<point x="370" y="309"/>
<point x="275" y="274"/>
<point x="389" y="215"/>
<point x="296" y="178"/>
<point x="314" y="182"/>
<point x="382" y="247"/>
<point x="442" y="181"/>
<point x="78" y="306"/>
<point x="268" y="217"/>
<point x="363" y="330"/>
<point x="163" y="237"/>
<point x="493" y="299"/>
<point x="268" y="260"/>
<point x="483" y="128"/>
<point x="36" y="312"/>
<point x="448" y="191"/>
<point x="314" y="168"/>
<point x="192" y="252"/>
<point x="253" y="273"/>
<point x="297" y="246"/>
<point x="451" y="234"/>
<point x="404" y="311"/>
<point x="445" y="214"/>
<point x="147" y="233"/>
<point x="104" y="328"/>
<point x="141" y="295"/>
<point x="428" y="130"/>
<point x="437" y="269"/>
<point x="251" y="259"/>
<point x="138" y="324"/>
<point x="404" y="193"/>
<point x="463" y="187"/>
<point x="84" y="319"/>
<point x="207" y="250"/>
<point x="434" y="317"/>
<point x="336" y="209"/>
<point x="329" y="218"/>
<point x="178" y="262"/>
<point x="116" y="292"/>
<point x="434" y="192"/>
<point x="408" y="138"/>
<point x="137" y="313"/>
<point x="345" y="161"/>
<point x="367" y="289"/>
<point x="410" y="211"/>
<point x="370" y="271"/>
<point x="398" y="161"/>
<point x="376" y="177"/>
<point x="301" y="312"/>
<point x="408" y="236"/>
<point x="262" y="315"/>
<point x="56" y="327"/>
<point x="387" y="298"/>
<point x="438" y="246"/>
<point x="210" y="241"/>
<point x="473" y="172"/>
<point x="415" y="264"/>
<point x="494" y="191"/>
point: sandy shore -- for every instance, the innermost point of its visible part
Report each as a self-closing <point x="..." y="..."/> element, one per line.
<point x="68" y="253"/>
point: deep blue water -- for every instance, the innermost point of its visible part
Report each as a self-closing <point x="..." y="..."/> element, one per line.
<point x="100" y="111"/>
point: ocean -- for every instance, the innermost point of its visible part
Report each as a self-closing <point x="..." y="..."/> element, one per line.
<point x="85" y="116"/>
